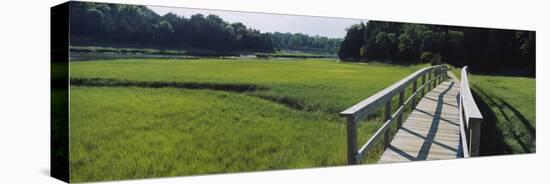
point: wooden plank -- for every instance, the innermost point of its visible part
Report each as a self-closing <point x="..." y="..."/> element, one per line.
<point x="437" y="149"/>
<point x="450" y="121"/>
<point x="417" y="145"/>
<point x="424" y="136"/>
<point x="419" y="156"/>
<point x="429" y="119"/>
<point x="442" y="114"/>
<point x="450" y="140"/>
<point x="415" y="129"/>
<point x="424" y="131"/>
<point x="446" y="121"/>
<point x="410" y="137"/>
<point x="429" y="112"/>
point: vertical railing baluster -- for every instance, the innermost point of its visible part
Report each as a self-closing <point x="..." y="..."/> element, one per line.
<point x="446" y="73"/>
<point x="435" y="80"/>
<point x="387" y="116"/>
<point x="442" y="75"/>
<point x="429" y="82"/>
<point x="475" y="130"/>
<point x="416" y="96"/>
<point x="351" y="129"/>
<point x="423" y="84"/>
<point x="400" y="105"/>
<point x="436" y="74"/>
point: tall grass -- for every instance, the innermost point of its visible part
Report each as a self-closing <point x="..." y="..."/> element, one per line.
<point x="121" y="129"/>
<point x="319" y="85"/>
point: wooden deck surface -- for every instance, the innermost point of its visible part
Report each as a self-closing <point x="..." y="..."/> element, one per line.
<point x="432" y="129"/>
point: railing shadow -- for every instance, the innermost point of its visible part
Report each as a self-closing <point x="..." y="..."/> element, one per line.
<point x="435" y="123"/>
<point x="440" y="118"/>
<point x="492" y="139"/>
<point x="521" y="118"/>
<point x="434" y="142"/>
<point x="429" y="139"/>
<point x="432" y="99"/>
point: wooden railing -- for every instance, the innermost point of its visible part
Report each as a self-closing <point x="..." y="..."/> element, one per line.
<point x="356" y="113"/>
<point x="470" y="118"/>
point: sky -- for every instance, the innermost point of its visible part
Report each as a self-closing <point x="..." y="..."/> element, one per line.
<point x="322" y="26"/>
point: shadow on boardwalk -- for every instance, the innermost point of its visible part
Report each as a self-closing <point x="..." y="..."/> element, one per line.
<point x="430" y="139"/>
<point x="431" y="132"/>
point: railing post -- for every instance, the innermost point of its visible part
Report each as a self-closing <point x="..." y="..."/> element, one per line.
<point x="351" y="129"/>
<point x="423" y="83"/>
<point x="475" y="130"/>
<point x="429" y="82"/>
<point x="436" y="74"/>
<point x="435" y="80"/>
<point x="387" y="116"/>
<point x="440" y="77"/>
<point x="401" y="103"/>
<point x="445" y="74"/>
<point x="414" y="90"/>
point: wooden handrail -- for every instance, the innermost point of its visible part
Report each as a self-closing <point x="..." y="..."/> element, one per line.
<point x="369" y="105"/>
<point x="359" y="111"/>
<point x="470" y="117"/>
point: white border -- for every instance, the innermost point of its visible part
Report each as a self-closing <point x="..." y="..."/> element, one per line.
<point x="24" y="91"/>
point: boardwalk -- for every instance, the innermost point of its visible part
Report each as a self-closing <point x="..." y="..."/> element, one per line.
<point x="432" y="129"/>
<point x="444" y="124"/>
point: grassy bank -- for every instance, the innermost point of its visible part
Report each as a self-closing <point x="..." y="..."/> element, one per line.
<point x="295" y="55"/>
<point x="94" y="49"/>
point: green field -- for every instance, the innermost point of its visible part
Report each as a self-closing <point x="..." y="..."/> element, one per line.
<point x="313" y="85"/>
<point x="148" y="118"/>
<point x="508" y="106"/>
<point x="170" y="132"/>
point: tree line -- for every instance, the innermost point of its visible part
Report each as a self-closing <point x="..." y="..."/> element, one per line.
<point x="139" y="25"/>
<point x="484" y="50"/>
<point x="303" y="42"/>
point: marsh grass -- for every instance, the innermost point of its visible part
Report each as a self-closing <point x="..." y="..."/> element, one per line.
<point x="122" y="128"/>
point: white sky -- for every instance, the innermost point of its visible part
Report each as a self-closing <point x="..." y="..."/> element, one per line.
<point x="322" y="26"/>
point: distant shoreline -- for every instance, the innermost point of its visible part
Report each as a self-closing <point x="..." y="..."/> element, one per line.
<point x="95" y="52"/>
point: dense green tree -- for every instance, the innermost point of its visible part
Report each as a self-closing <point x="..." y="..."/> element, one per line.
<point x="139" y="26"/>
<point x="350" y="49"/>
<point x="486" y="50"/>
<point x="100" y="23"/>
<point x="164" y="31"/>
<point x="303" y="42"/>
